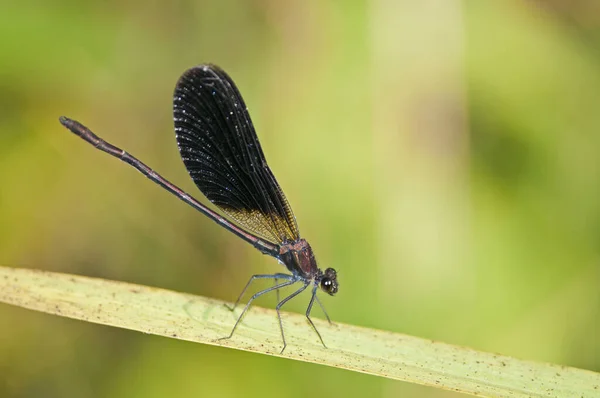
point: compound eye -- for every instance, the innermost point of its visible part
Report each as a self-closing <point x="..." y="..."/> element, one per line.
<point x="327" y="285"/>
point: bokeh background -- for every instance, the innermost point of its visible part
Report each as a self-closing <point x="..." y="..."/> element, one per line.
<point x="442" y="155"/>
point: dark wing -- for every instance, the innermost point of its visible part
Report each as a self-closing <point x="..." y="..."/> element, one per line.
<point x="220" y="149"/>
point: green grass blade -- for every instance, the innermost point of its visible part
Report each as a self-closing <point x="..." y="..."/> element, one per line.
<point x="204" y="320"/>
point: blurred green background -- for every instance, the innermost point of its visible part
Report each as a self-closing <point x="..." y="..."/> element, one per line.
<point x="441" y="155"/>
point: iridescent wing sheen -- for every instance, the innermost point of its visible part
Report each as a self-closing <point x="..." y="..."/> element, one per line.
<point x="220" y="149"/>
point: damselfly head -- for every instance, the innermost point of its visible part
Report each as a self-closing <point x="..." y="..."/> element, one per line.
<point x="329" y="283"/>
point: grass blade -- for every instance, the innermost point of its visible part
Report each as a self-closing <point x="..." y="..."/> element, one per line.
<point x="204" y="320"/>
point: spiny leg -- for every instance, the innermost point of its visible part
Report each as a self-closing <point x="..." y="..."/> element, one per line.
<point x="255" y="296"/>
<point x="310" y="304"/>
<point x="277" y="291"/>
<point x="281" y="303"/>
<point x="270" y="276"/>
<point x="323" y="309"/>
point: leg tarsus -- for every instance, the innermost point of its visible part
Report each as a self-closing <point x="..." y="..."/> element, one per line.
<point x="291" y="281"/>
<point x="278" y="308"/>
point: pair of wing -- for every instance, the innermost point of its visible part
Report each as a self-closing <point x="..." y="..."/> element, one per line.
<point x="220" y="149"/>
